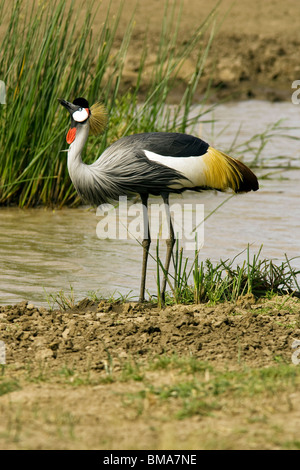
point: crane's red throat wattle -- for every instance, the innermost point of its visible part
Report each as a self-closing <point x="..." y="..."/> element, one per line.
<point x="71" y="135"/>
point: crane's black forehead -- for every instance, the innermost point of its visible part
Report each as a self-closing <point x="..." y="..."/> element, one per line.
<point x="82" y="102"/>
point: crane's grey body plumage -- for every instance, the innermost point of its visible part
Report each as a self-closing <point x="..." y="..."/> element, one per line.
<point x="124" y="169"/>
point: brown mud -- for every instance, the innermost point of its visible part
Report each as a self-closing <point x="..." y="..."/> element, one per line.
<point x="90" y="333"/>
<point x="253" y="53"/>
<point x="85" y="378"/>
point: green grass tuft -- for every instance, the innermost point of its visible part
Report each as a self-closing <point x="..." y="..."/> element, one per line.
<point x="226" y="281"/>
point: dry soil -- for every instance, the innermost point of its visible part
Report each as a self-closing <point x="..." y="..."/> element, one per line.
<point x="86" y="378"/>
<point x="254" y="54"/>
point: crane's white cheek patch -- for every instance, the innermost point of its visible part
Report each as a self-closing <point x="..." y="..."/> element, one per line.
<point x="80" y="115"/>
<point x="192" y="168"/>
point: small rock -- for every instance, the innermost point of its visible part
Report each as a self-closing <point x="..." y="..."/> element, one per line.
<point x="43" y="354"/>
<point x="65" y="333"/>
<point x="127" y="308"/>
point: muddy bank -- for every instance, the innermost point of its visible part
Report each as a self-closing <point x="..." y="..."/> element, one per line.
<point x="237" y="68"/>
<point x="93" y="335"/>
<point x="252" y="55"/>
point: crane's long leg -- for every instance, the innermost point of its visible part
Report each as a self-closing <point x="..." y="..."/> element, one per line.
<point x="170" y="244"/>
<point x="146" y="245"/>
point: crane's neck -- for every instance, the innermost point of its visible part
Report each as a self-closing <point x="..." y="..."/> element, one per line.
<point x="85" y="178"/>
<point x="75" y="165"/>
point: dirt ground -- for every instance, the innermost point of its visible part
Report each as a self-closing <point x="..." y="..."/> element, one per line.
<point x="254" y="50"/>
<point x="91" y="334"/>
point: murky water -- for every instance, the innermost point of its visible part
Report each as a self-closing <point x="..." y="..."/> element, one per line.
<point x="44" y="251"/>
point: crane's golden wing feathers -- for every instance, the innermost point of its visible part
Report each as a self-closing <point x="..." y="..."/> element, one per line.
<point x="224" y="172"/>
<point x="98" y="118"/>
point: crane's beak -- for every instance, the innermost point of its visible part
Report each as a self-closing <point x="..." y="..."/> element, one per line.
<point x="69" y="106"/>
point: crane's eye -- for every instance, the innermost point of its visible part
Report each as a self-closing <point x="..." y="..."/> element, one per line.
<point x="80" y="115"/>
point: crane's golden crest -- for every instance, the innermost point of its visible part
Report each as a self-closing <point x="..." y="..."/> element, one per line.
<point x="98" y="118"/>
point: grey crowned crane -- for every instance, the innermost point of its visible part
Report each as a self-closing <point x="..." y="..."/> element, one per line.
<point x="157" y="163"/>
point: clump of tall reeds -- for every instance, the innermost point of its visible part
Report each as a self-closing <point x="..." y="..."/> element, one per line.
<point x="43" y="56"/>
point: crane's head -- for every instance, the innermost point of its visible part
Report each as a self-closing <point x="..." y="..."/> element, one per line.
<point x="81" y="114"/>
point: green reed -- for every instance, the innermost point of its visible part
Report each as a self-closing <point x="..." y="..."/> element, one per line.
<point x="44" y="57"/>
<point x="226" y="280"/>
